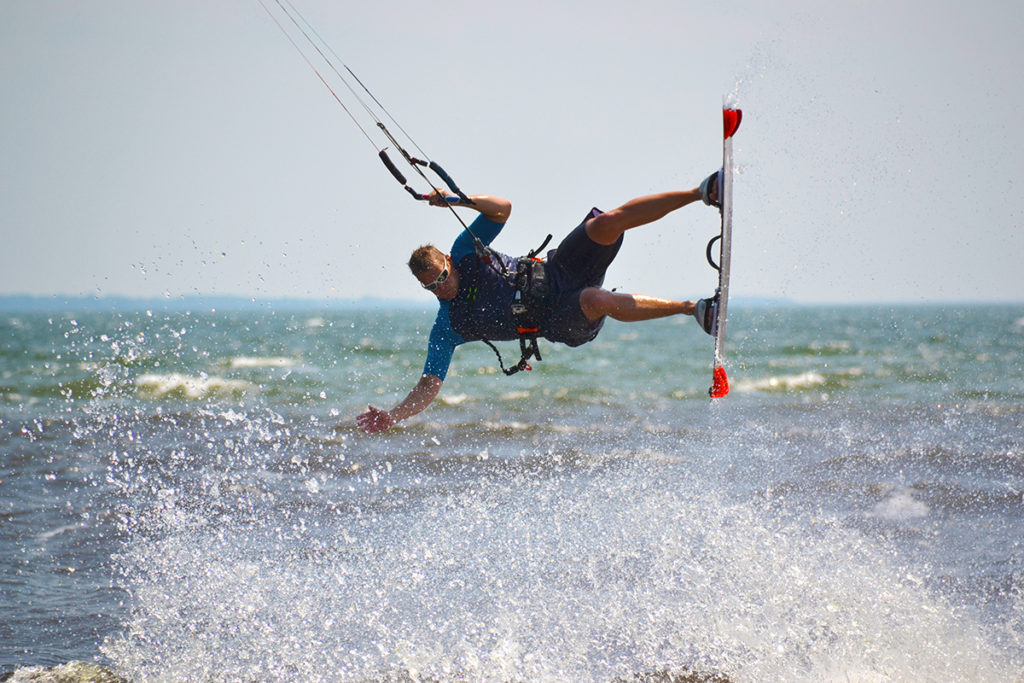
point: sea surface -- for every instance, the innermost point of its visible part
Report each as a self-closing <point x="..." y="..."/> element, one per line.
<point x="184" y="496"/>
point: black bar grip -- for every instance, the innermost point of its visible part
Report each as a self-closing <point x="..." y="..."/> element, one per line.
<point x="436" y="168"/>
<point x="391" y="166"/>
<point x="711" y="246"/>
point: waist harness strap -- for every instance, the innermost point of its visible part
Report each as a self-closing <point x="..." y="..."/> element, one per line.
<point x="529" y="307"/>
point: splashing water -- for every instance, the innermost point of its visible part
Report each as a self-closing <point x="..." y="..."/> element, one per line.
<point x="609" y="564"/>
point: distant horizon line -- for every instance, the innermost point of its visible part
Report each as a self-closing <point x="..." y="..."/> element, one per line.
<point x="98" y="302"/>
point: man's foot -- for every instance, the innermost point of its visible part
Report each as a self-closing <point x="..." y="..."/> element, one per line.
<point x="710" y="189"/>
<point x="706" y="313"/>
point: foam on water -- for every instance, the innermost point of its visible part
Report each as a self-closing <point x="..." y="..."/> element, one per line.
<point x="193" y="387"/>
<point x="261" y="362"/>
<point x="803" y="380"/>
<point x="901" y="506"/>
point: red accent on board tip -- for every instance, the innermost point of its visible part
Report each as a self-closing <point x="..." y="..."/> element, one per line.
<point x="719" y="383"/>
<point x="731" y="119"/>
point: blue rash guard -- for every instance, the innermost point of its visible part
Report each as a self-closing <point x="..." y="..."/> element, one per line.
<point x="482" y="308"/>
<point x="443" y="338"/>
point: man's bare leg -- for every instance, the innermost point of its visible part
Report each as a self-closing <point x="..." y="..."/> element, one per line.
<point x="597" y="303"/>
<point x="609" y="226"/>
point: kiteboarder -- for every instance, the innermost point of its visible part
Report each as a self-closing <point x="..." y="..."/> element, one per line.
<point x="487" y="296"/>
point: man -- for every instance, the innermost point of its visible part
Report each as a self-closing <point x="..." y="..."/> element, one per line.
<point x="476" y="295"/>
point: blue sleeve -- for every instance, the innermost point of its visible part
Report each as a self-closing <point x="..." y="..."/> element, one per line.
<point x="441" y="347"/>
<point x="484" y="228"/>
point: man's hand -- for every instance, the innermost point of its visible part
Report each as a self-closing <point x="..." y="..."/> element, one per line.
<point x="437" y="198"/>
<point x="375" y="420"/>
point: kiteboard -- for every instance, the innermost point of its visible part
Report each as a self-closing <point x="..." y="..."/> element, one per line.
<point x="719" y="378"/>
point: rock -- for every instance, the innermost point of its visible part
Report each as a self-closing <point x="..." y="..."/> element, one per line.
<point x="72" y="672"/>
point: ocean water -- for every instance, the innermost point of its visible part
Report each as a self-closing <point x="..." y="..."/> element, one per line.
<point x="184" y="496"/>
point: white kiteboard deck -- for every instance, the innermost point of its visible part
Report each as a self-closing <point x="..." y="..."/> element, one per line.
<point x="720" y="380"/>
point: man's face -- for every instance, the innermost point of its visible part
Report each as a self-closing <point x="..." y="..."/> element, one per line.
<point x="441" y="279"/>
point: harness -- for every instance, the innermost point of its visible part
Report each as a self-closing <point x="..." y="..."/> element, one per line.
<point x="529" y="303"/>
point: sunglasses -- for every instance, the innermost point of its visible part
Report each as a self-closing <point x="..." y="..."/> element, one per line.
<point x="440" y="280"/>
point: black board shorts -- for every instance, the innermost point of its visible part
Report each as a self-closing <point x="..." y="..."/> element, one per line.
<point x="577" y="263"/>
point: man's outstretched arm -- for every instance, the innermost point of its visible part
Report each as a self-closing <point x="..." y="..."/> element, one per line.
<point x="423" y="394"/>
<point x="497" y="209"/>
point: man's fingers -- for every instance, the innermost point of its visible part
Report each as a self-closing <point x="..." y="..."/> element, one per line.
<point x="374" y="420"/>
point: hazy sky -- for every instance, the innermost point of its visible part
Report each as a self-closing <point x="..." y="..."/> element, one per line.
<point x="170" y="148"/>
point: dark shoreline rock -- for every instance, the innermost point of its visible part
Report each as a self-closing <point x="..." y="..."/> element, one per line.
<point x="71" y="672"/>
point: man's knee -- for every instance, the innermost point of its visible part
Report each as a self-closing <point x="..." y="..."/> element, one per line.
<point x="604" y="229"/>
<point x="596" y="303"/>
